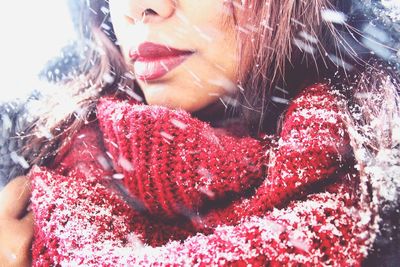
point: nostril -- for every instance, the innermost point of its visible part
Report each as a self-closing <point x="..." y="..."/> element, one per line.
<point x="149" y="11"/>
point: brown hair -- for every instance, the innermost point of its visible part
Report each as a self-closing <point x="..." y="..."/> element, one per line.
<point x="284" y="44"/>
<point x="271" y="55"/>
<point x="269" y="50"/>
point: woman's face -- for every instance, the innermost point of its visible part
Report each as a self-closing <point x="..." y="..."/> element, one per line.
<point x="183" y="52"/>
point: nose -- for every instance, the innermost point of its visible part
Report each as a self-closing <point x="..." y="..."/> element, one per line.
<point x="151" y="10"/>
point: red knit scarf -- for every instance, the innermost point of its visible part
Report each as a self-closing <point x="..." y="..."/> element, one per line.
<point x="154" y="186"/>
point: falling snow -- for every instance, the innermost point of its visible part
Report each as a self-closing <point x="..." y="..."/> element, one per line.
<point x="92" y="224"/>
<point x="333" y="16"/>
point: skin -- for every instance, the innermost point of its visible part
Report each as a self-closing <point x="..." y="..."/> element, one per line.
<point x="201" y="26"/>
<point x="210" y="73"/>
<point x="16" y="226"/>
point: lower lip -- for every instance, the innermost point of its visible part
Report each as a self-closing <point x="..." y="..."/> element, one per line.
<point x="152" y="69"/>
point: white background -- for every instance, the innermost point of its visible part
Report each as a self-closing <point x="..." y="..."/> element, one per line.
<point x="31" y="33"/>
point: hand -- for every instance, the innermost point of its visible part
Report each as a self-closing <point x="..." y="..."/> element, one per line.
<point x="16" y="225"/>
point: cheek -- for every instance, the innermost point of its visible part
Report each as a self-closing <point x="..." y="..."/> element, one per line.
<point x="117" y="11"/>
<point x="201" y="80"/>
<point x="126" y="30"/>
<point x="221" y="48"/>
<point x="210" y="74"/>
<point x="179" y="95"/>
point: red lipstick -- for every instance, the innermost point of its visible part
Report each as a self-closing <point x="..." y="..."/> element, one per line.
<point x="152" y="61"/>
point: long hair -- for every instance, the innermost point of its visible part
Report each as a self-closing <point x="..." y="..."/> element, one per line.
<point x="281" y="45"/>
<point x="284" y="46"/>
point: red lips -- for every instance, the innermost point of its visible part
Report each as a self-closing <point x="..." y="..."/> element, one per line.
<point x="152" y="61"/>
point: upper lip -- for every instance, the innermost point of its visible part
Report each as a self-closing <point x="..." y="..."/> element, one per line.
<point x="152" y="51"/>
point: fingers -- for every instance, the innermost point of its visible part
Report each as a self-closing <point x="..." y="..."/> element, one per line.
<point x="15" y="242"/>
<point x="14" y="198"/>
<point x="27" y="232"/>
<point x="16" y="225"/>
<point x="27" y="222"/>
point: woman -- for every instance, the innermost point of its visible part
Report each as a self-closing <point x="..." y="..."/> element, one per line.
<point x="202" y="195"/>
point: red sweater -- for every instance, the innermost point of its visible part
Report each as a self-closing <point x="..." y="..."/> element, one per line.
<point x="147" y="185"/>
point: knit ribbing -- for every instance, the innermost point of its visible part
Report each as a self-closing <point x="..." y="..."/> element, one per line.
<point x="174" y="165"/>
<point x="310" y="148"/>
<point x="178" y="169"/>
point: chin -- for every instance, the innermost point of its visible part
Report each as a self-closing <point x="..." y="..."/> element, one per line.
<point x="167" y="101"/>
<point x="171" y="98"/>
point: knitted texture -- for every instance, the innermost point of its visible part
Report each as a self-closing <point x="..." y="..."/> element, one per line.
<point x="173" y="163"/>
<point x="153" y="186"/>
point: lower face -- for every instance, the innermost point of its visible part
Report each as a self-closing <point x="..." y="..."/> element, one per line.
<point x="201" y="77"/>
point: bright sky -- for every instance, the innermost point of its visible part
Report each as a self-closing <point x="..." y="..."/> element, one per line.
<point x="31" y="33"/>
